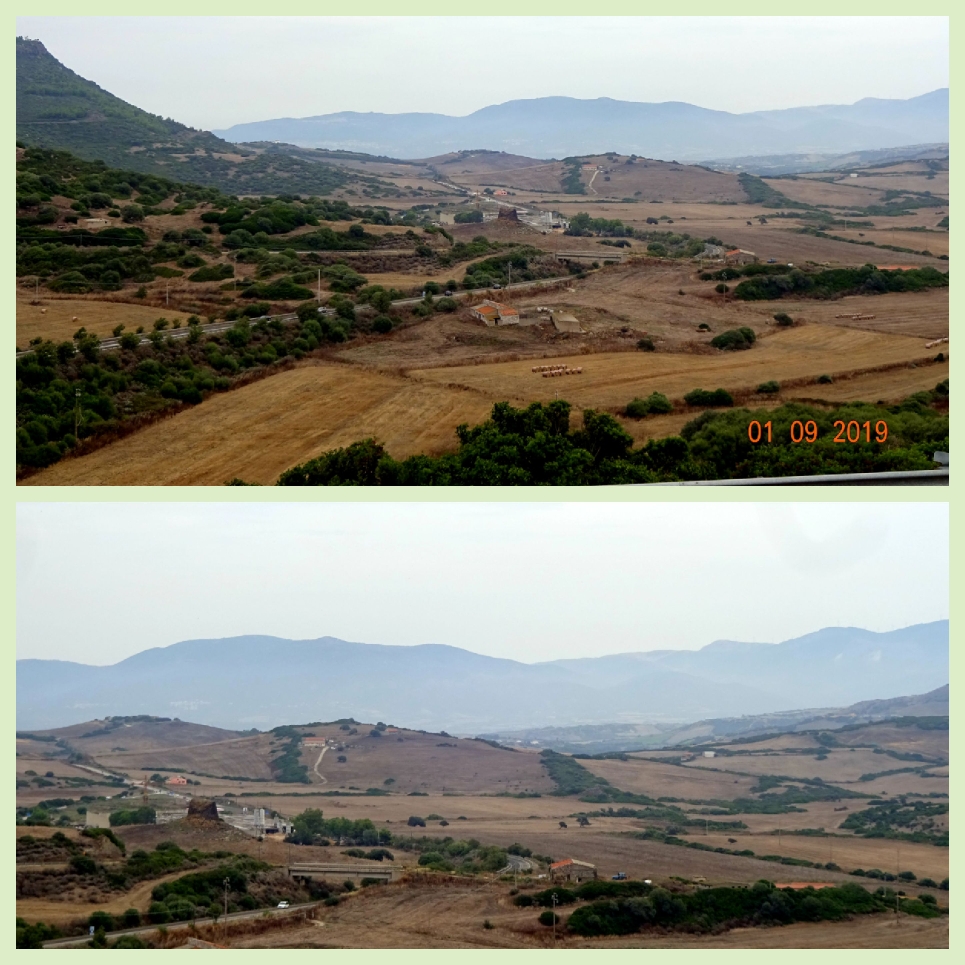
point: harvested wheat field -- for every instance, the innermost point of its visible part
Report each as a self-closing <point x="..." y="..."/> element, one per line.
<point x="611" y="380"/>
<point x="261" y="430"/>
<point x="843" y="849"/>
<point x="54" y="317"/>
<point x="922" y="314"/>
<point x="889" y="386"/>
<point x="452" y="916"/>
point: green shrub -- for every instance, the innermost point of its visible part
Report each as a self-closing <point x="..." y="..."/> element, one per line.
<point x="825" y="379"/>
<point x="549" y="918"/>
<point x="654" y="404"/>
<point x="735" y="339"/>
<point x="769" y="388"/>
<point x="782" y="318"/>
<point x="646" y="345"/>
<point x="210" y="272"/>
<point x="382" y="324"/>
<point x="718" y="398"/>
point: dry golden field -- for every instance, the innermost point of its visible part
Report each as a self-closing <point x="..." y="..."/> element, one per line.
<point x="258" y="431"/>
<point x="391" y="919"/>
<point x="287" y="419"/>
<point x="54" y="317"/>
<point x="611" y="380"/>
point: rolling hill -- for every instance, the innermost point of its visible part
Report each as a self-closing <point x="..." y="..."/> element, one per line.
<point x="609" y="738"/>
<point x="263" y="681"/>
<point x="562" y="126"/>
<point x="57" y="108"/>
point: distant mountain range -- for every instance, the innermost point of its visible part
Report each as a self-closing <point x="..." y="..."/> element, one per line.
<point x="556" y="127"/>
<point x="262" y="681"/>
<point x="607" y="738"/>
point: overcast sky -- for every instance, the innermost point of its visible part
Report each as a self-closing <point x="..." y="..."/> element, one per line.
<point x="97" y="582"/>
<point x="212" y="72"/>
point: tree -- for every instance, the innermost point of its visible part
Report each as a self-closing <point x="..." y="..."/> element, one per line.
<point x="131" y="213"/>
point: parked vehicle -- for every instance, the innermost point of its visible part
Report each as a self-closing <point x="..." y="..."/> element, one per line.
<point x="620" y="876"/>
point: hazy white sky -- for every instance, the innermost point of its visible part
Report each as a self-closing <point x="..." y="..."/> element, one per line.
<point x="212" y="72"/>
<point x="97" y="582"/>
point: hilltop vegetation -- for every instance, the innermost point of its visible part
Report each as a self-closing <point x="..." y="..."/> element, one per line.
<point x="56" y="108"/>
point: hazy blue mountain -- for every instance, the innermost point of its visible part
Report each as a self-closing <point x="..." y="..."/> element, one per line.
<point x="263" y="681"/>
<point x="563" y="126"/>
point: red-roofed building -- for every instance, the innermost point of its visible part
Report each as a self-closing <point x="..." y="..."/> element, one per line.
<point x="495" y="313"/>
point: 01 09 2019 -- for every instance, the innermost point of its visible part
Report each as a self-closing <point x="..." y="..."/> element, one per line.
<point x="807" y="431"/>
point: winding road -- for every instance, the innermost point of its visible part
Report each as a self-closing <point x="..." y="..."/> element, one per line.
<point x="318" y="773"/>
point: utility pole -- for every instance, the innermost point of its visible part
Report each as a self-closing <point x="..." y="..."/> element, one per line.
<point x="318" y="297"/>
<point x="226" y="882"/>
<point x="76" y="411"/>
<point x="554" y="917"/>
<point x="167" y="294"/>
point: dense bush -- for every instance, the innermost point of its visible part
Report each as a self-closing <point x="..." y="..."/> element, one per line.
<point x="734" y="339"/>
<point x="834" y="282"/>
<point x="212" y="273"/>
<point x="311" y="827"/>
<point x="654" y="404"/>
<point x="710" y="909"/>
<point x="141" y="815"/>
<point x="711" y="399"/>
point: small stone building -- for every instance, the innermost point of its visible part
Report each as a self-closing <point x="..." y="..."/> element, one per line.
<point x="739" y="256"/>
<point x="569" y="869"/>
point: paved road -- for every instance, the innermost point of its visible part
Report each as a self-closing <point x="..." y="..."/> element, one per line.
<point x="81" y="940"/>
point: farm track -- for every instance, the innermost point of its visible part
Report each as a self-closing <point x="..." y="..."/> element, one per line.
<point x="318" y="773"/>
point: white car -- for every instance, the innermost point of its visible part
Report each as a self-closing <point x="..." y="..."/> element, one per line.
<point x="282" y="904"/>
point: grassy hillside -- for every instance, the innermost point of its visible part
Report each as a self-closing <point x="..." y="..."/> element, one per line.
<point x="57" y="108"/>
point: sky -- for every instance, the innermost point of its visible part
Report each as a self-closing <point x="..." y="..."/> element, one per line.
<point x="211" y="72"/>
<point x="97" y="582"/>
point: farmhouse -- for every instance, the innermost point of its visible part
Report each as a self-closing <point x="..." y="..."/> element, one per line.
<point x="314" y="741"/>
<point x="495" y="313"/>
<point x="177" y="779"/>
<point x="739" y="256"/>
<point x="569" y="869"/>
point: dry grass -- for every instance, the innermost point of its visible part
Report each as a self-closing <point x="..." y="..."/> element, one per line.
<point x="259" y="431"/>
<point x="611" y="380"/>
<point x="53" y="318"/>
